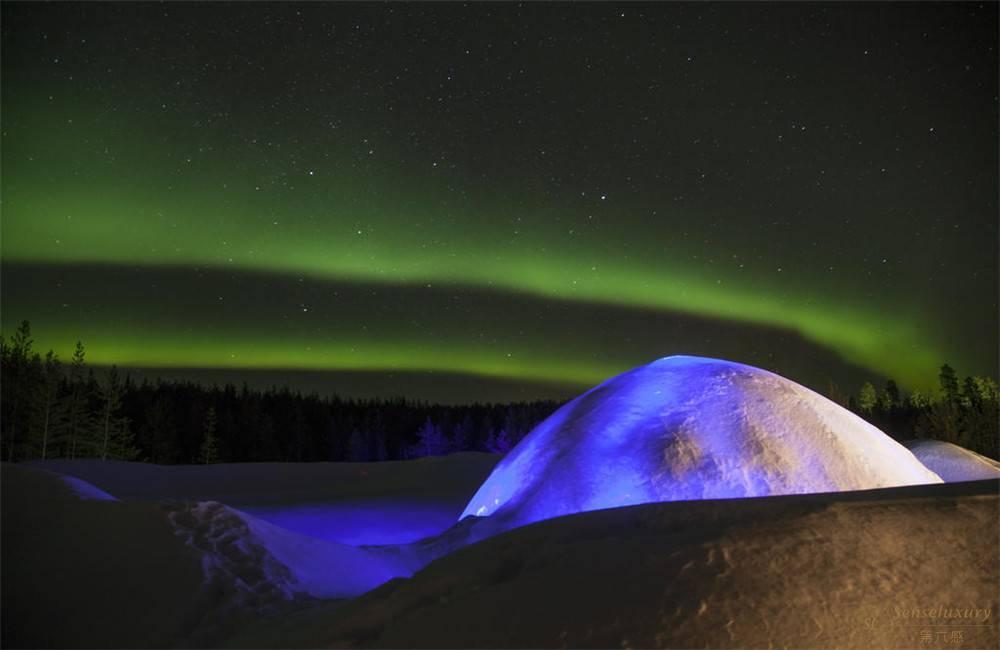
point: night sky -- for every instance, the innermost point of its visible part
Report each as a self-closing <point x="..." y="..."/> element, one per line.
<point x="502" y="201"/>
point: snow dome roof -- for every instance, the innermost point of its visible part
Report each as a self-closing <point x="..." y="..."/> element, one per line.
<point x="690" y="428"/>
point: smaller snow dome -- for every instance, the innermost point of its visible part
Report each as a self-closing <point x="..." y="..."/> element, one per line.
<point x="690" y="428"/>
<point x="953" y="463"/>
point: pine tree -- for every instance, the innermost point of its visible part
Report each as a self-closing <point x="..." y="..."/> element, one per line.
<point x="381" y="453"/>
<point x="981" y="415"/>
<point x="209" y="450"/>
<point x="918" y="401"/>
<point x="461" y="437"/>
<point x="160" y="432"/>
<point x="505" y="442"/>
<point x="511" y="430"/>
<point x="16" y="381"/>
<point x="949" y="384"/>
<point x="77" y="407"/>
<point x="123" y="440"/>
<point x="867" y="398"/>
<point x="50" y="415"/>
<point x="357" y="447"/>
<point x="432" y="441"/>
<point x="110" y="391"/>
<point x="892" y="394"/>
<point x="500" y="443"/>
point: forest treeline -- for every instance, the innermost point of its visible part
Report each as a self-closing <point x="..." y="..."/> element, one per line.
<point x="52" y="409"/>
<point x="966" y="413"/>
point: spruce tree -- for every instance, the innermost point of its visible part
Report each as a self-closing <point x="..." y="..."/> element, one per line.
<point x="76" y="407"/>
<point x="209" y="451"/>
<point x="49" y="421"/>
<point x="892" y="394"/>
<point x="160" y="431"/>
<point x="17" y="378"/>
<point x="432" y="441"/>
<point x="867" y="398"/>
<point x="357" y="447"/>
<point x="949" y="384"/>
<point x="110" y="390"/>
<point x="123" y="440"/>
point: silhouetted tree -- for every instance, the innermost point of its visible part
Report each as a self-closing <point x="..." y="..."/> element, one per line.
<point x="432" y="441"/>
<point x="160" y="432"/>
<point x="111" y="396"/>
<point x="500" y="443"/>
<point x="892" y="394"/>
<point x="17" y="378"/>
<point x="461" y="437"/>
<point x="50" y="420"/>
<point x="949" y="383"/>
<point x="357" y="447"/>
<point x="208" y="453"/>
<point x="867" y="398"/>
<point x="78" y="417"/>
<point x="123" y="440"/>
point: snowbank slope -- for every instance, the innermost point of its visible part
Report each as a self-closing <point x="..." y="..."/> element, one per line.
<point x="951" y="462"/>
<point x="837" y="570"/>
<point x="156" y="574"/>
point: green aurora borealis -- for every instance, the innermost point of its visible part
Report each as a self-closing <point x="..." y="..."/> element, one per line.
<point x="512" y="226"/>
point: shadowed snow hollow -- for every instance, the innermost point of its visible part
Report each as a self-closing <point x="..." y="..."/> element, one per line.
<point x="690" y="428"/>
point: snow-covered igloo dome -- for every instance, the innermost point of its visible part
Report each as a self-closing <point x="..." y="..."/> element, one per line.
<point x="685" y="428"/>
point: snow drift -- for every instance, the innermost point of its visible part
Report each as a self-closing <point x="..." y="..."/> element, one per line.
<point x="686" y="428"/>
<point x="847" y="570"/>
<point x="951" y="462"/>
<point x="126" y="558"/>
<point x="392" y="502"/>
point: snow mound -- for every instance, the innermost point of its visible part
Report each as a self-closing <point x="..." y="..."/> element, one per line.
<point x="843" y="570"/>
<point x="951" y="462"/>
<point x="268" y="564"/>
<point x="684" y="428"/>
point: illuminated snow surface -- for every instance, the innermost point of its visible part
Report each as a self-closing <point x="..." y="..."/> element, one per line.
<point x="846" y="570"/>
<point x="684" y="428"/>
<point x="138" y="555"/>
<point x="953" y="463"/>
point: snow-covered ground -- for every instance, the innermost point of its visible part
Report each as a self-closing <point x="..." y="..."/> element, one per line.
<point x="801" y="571"/>
<point x="139" y="555"/>
<point x="110" y="554"/>
<point x="859" y="570"/>
<point x="351" y="503"/>
<point x="953" y="463"/>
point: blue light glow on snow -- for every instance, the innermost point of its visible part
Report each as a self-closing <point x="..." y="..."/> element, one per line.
<point x="367" y="522"/>
<point x="684" y="428"/>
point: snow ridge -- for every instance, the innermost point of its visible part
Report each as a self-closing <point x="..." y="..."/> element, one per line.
<point x="231" y="558"/>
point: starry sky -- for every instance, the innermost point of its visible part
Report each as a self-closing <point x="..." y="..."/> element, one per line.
<point x="502" y="201"/>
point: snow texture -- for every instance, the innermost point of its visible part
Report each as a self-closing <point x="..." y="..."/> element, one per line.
<point x="953" y="463"/>
<point x="846" y="570"/>
<point x="129" y="555"/>
<point x="392" y="502"/>
<point x="271" y="564"/>
<point x="684" y="428"/>
<point x="84" y="490"/>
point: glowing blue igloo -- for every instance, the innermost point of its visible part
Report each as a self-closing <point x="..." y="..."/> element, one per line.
<point x="690" y="428"/>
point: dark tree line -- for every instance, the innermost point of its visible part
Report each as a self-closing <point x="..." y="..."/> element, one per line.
<point x="965" y="413"/>
<point x="49" y="409"/>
